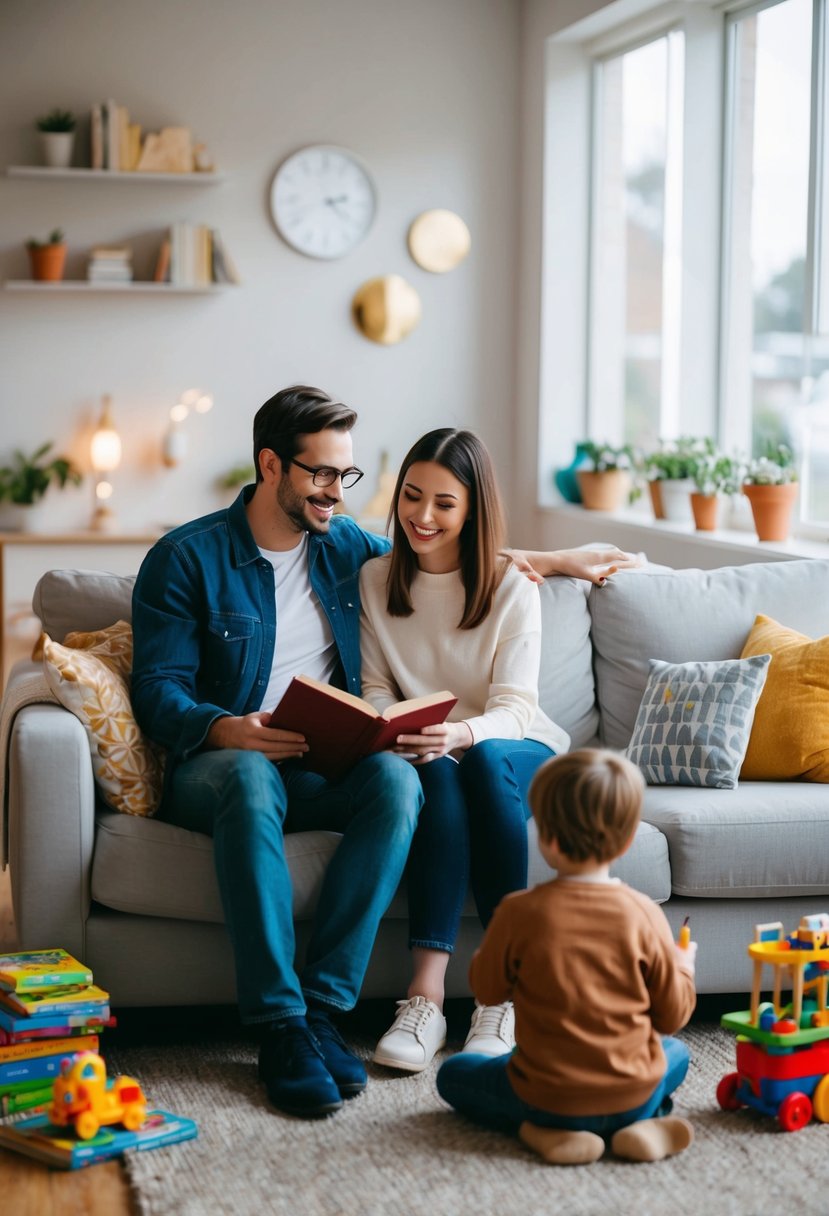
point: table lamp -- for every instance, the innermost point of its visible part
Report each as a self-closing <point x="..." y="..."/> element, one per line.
<point x="105" y="455"/>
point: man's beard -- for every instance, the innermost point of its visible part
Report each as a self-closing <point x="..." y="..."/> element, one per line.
<point x="293" y="505"/>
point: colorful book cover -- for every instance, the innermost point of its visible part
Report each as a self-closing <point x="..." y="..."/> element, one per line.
<point x="25" y="1099"/>
<point x="38" y="1138"/>
<point x="16" y="1023"/>
<point x="72" y="999"/>
<point x="92" y="1025"/>
<point x="33" y="969"/>
<point x="37" y="1068"/>
<point x="48" y="1047"/>
<point x="19" y="1087"/>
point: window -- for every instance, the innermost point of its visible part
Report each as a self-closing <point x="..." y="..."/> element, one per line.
<point x="635" y="245"/>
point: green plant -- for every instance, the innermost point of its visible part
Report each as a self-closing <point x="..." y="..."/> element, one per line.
<point x="716" y="473"/>
<point x="775" y="467"/>
<point x="605" y="459"/>
<point x="676" y="459"/>
<point x="55" y="238"/>
<point x="27" y="478"/>
<point x="57" y="120"/>
<point x="239" y="475"/>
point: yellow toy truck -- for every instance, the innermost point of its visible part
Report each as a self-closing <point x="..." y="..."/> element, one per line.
<point x="82" y="1097"/>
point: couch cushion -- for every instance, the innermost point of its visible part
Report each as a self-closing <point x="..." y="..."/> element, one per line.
<point x="763" y="839"/>
<point x="695" y="720"/>
<point x="566" y="691"/>
<point x="790" y="736"/>
<point x="644" y="866"/>
<point x="155" y="869"/>
<point x="689" y="615"/>
<point x="81" y="599"/>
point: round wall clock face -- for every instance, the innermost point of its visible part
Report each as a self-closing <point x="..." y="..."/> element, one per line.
<point x="323" y="201"/>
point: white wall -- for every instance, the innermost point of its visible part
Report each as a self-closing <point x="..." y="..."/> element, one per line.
<point x="426" y="93"/>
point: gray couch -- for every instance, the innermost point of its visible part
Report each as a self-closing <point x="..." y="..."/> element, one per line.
<point x="137" y="900"/>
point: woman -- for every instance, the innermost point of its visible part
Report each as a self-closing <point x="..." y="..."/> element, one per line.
<point x="446" y="609"/>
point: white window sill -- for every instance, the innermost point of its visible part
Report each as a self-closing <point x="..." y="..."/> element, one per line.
<point x="675" y="544"/>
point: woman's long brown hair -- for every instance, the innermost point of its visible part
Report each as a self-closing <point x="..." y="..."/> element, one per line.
<point x="465" y="456"/>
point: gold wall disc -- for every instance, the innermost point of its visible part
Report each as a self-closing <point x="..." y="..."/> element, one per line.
<point x="439" y="241"/>
<point x="386" y="309"/>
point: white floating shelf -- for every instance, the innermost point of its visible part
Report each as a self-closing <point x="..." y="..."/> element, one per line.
<point x="113" y="175"/>
<point x="82" y="285"/>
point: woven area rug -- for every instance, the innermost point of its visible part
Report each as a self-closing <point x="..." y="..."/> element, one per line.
<point x="398" y="1150"/>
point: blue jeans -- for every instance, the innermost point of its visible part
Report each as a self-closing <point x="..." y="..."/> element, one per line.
<point x="479" y="1087"/>
<point x="246" y="803"/>
<point x="473" y="827"/>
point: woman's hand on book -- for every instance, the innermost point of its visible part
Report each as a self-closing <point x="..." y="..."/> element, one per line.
<point x="251" y="733"/>
<point x="435" y="741"/>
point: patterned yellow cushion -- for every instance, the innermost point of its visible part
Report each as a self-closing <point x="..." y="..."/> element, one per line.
<point x="89" y="675"/>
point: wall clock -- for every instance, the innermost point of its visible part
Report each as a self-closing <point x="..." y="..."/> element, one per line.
<point x="323" y="201"/>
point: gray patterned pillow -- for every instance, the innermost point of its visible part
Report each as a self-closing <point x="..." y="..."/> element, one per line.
<point x="694" y="721"/>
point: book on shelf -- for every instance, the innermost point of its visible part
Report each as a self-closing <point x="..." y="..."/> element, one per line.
<point x="54" y="1024"/>
<point x="112" y="153"/>
<point x="162" y="265"/>
<point x="223" y="267"/>
<point x="36" y="1068"/>
<point x="341" y="729"/>
<point x="96" y="137"/>
<point x="67" y="1045"/>
<point x="37" y="1137"/>
<point x="54" y="1030"/>
<point x="72" y="999"/>
<point x="28" y="970"/>
<point x="25" y="1100"/>
<point x="193" y="260"/>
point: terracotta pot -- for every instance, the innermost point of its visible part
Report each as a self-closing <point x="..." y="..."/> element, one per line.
<point x="603" y="491"/>
<point x="655" y="489"/>
<point x="771" y="507"/>
<point x="705" y="508"/>
<point x="47" y="262"/>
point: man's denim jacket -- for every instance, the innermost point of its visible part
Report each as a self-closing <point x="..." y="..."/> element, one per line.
<point x="204" y="621"/>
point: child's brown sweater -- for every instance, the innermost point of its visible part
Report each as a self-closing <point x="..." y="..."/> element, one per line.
<point x="592" y="971"/>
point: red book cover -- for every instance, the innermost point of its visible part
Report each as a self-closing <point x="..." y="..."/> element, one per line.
<point x="341" y="729"/>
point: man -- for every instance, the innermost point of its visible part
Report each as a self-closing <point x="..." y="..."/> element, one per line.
<point x="226" y="610"/>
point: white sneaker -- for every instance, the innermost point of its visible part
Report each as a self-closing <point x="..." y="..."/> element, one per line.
<point x="417" y="1032"/>
<point x="492" y="1031"/>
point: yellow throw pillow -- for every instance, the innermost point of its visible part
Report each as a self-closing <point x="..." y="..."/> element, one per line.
<point x="790" y="736"/>
<point x="89" y="676"/>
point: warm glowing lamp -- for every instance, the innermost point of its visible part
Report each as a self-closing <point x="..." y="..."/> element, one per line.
<point x="105" y="456"/>
<point x="174" y="446"/>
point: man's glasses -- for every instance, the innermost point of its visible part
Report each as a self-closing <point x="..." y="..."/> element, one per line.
<point x="324" y="475"/>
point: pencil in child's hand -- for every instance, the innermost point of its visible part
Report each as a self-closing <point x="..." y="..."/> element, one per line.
<point x="684" y="939"/>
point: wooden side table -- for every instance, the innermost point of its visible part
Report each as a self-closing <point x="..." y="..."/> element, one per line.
<point x="25" y="556"/>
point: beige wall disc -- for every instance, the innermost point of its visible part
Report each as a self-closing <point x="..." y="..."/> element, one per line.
<point x="439" y="241"/>
<point x="386" y="309"/>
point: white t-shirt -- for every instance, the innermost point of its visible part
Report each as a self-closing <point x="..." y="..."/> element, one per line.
<point x="304" y="641"/>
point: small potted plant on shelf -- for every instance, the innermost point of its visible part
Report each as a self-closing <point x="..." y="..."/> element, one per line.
<point x="606" y="477"/>
<point x="57" y="135"/>
<point x="26" y="479"/>
<point x="770" y="485"/>
<point x="670" y="471"/>
<point x="715" y="474"/>
<point x="47" y="258"/>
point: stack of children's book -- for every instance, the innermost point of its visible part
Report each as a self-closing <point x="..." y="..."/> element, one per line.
<point x="49" y="1009"/>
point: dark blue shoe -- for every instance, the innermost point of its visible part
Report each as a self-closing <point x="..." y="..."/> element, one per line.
<point x="292" y="1067"/>
<point x="347" y="1069"/>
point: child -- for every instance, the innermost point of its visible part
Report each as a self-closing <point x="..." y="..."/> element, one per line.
<point x="595" y="978"/>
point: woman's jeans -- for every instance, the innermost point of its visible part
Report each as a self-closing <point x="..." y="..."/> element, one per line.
<point x="247" y="803"/>
<point x="479" y="1087"/>
<point x="473" y="826"/>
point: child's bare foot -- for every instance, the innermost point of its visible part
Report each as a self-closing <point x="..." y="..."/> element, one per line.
<point x="653" y="1139"/>
<point x="562" y="1148"/>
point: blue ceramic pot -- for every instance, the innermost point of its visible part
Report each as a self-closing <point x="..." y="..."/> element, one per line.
<point x="566" y="481"/>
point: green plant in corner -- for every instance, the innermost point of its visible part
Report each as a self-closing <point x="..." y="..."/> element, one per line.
<point x="57" y="121"/>
<point x="775" y="467"/>
<point x="676" y="459"/>
<point x="55" y="238"/>
<point x="27" y="478"/>
<point x="716" y="473"/>
<point x="605" y="459"/>
<point x="239" y="475"/>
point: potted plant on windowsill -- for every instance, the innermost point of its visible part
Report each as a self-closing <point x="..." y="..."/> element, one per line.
<point x="670" y="471"/>
<point x="47" y="258"/>
<point x="24" y="482"/>
<point x="57" y="135"/>
<point x="606" y="480"/>
<point x="770" y="484"/>
<point x="715" y="474"/>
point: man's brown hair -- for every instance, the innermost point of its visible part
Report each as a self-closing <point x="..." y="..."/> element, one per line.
<point x="291" y="413"/>
<point x="589" y="801"/>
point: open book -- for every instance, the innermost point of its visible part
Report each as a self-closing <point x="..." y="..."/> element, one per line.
<point x="341" y="729"/>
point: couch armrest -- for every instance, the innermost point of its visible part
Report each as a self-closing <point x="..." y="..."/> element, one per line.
<point x="51" y="828"/>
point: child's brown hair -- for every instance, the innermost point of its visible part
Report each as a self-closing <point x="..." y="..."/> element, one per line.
<point x="589" y="801"/>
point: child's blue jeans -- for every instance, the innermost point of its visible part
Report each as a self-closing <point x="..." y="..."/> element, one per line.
<point x="479" y="1087"/>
